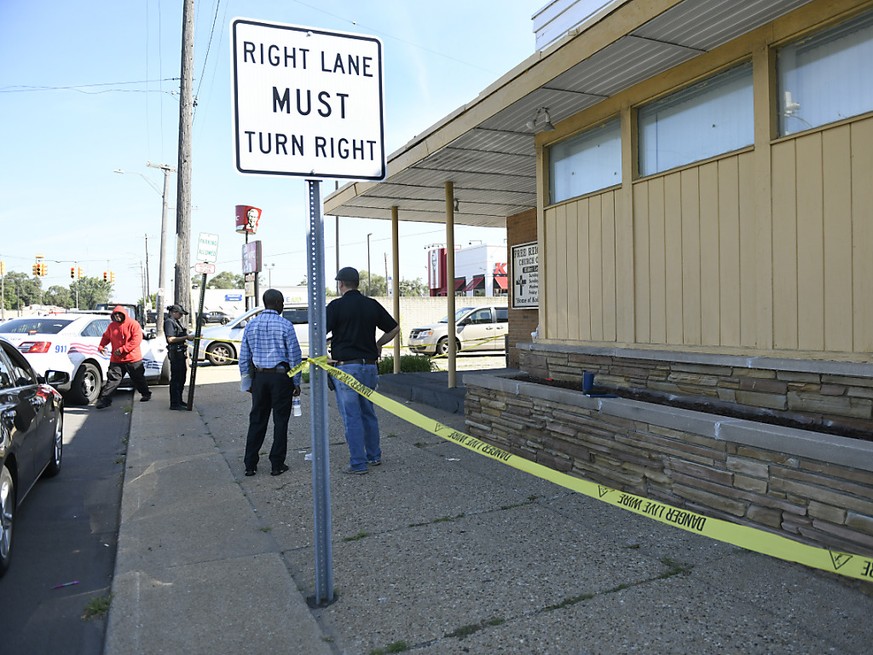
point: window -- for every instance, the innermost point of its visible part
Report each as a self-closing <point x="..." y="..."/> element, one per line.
<point x="296" y="316"/>
<point x="96" y="328"/>
<point x="34" y="325"/>
<point x="6" y="374"/>
<point x="826" y="77"/>
<point x="707" y="119"/>
<point x="502" y="315"/>
<point x="585" y="163"/>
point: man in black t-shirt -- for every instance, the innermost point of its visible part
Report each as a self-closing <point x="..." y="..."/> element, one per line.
<point x="352" y="320"/>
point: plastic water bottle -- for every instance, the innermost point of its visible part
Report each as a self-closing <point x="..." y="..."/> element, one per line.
<point x="295" y="406"/>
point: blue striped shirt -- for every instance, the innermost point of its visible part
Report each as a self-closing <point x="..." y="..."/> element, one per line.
<point x="268" y="340"/>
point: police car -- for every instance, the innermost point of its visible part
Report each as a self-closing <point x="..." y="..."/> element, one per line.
<point x="69" y="342"/>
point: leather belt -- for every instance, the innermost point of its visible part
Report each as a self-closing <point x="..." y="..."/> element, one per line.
<point x="356" y="361"/>
<point x="275" y="369"/>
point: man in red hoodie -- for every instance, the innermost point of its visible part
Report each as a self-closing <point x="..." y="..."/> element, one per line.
<point x="124" y="336"/>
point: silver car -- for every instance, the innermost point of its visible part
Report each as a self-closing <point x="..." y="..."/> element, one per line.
<point x="477" y="328"/>
<point x="219" y="345"/>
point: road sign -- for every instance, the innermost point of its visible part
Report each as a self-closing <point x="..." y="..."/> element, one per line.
<point x="307" y="102"/>
<point x="203" y="267"/>
<point x="207" y="248"/>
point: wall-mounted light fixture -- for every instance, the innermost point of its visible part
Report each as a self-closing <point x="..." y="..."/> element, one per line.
<point x="541" y="120"/>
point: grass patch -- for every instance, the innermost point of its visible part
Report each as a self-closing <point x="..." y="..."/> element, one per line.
<point x="97" y="608"/>
<point x="465" y="631"/>
<point x="395" y="647"/>
<point x="567" y="602"/>
<point x="357" y="537"/>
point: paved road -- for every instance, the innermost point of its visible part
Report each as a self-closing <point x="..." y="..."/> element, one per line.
<point x="67" y="531"/>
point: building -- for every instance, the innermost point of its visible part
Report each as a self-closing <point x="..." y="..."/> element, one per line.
<point x="480" y="270"/>
<point x="696" y="178"/>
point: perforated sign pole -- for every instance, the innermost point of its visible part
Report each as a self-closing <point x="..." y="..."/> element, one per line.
<point x="318" y="407"/>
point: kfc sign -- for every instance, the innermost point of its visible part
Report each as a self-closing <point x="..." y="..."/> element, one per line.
<point x="247" y="218"/>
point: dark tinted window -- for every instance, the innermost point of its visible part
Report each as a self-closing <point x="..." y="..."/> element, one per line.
<point x="296" y="316"/>
<point x="6" y="374"/>
<point x="37" y="325"/>
<point x="22" y="374"/>
<point x="482" y="316"/>
<point x="502" y="315"/>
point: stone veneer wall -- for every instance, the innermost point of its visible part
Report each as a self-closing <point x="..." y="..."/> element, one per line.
<point x="841" y="391"/>
<point x="809" y="486"/>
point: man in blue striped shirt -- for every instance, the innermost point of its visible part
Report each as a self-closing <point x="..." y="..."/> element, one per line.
<point x="269" y="351"/>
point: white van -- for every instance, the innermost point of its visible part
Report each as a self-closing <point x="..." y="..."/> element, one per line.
<point x="477" y="329"/>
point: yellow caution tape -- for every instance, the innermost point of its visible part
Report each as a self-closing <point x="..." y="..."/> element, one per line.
<point x="754" y="539"/>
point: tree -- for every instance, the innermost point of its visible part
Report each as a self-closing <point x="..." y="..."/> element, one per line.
<point x="58" y="296"/>
<point x="22" y="290"/>
<point x="92" y="290"/>
<point x="414" y="288"/>
<point x="224" y="280"/>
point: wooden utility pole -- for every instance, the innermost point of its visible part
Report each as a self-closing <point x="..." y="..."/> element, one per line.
<point x="183" y="182"/>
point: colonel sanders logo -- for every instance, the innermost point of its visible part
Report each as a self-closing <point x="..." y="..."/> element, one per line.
<point x="247" y="218"/>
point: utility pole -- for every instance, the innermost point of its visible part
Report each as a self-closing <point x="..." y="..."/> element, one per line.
<point x="160" y="300"/>
<point x="183" y="183"/>
<point x="145" y="299"/>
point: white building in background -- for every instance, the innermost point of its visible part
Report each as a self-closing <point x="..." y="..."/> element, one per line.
<point x="480" y="270"/>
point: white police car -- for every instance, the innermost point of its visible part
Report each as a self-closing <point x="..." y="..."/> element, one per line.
<point x="69" y="342"/>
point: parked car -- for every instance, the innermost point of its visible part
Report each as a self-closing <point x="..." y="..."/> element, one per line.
<point x="220" y="345"/>
<point x="215" y="317"/>
<point x="68" y="343"/>
<point x="31" y="435"/>
<point x="477" y="328"/>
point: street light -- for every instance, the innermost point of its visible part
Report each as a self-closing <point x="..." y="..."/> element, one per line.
<point x="270" y="275"/>
<point x="368" y="262"/>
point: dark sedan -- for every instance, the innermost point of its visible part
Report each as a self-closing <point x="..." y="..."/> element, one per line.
<point x="31" y="435"/>
<point x="214" y="317"/>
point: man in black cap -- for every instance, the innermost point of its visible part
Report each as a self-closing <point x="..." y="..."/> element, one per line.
<point x="177" y="352"/>
<point x="352" y="320"/>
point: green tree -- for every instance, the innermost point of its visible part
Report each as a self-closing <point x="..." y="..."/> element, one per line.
<point x="413" y="288"/>
<point x="22" y="290"/>
<point x="92" y="290"/>
<point x="223" y="280"/>
<point x="59" y="296"/>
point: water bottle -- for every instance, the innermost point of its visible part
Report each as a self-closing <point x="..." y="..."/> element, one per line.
<point x="295" y="406"/>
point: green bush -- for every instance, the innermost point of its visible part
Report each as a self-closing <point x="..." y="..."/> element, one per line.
<point x="408" y="364"/>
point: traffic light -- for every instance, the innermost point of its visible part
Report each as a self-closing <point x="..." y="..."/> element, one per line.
<point x="81" y="272"/>
<point x="2" y="268"/>
<point x="105" y="276"/>
<point x="73" y="272"/>
<point x="112" y="276"/>
<point x="35" y="270"/>
<point x="43" y="270"/>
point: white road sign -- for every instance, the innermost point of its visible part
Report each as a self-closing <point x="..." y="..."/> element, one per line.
<point x="207" y="247"/>
<point x="307" y="102"/>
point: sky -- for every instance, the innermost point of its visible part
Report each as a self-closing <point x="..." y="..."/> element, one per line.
<point x="90" y="88"/>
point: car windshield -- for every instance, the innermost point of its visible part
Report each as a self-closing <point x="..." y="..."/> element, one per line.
<point x="39" y="325"/>
<point x="459" y="314"/>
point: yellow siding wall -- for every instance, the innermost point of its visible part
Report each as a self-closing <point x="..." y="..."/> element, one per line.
<point x="696" y="261"/>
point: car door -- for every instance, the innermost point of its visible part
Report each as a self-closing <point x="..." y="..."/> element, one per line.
<point x="20" y="409"/>
<point x="478" y="329"/>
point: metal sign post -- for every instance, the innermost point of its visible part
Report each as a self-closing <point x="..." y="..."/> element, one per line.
<point x="324" y="592"/>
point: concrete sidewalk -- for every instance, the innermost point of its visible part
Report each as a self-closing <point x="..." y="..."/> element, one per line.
<point x="437" y="552"/>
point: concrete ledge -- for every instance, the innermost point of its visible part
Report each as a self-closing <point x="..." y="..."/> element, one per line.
<point x="803" y="443"/>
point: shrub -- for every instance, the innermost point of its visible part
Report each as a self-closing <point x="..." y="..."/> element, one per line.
<point x="408" y="364"/>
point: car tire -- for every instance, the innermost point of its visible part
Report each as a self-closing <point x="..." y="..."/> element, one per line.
<point x="57" y="454"/>
<point x="86" y="385"/>
<point x="220" y="354"/>
<point x="442" y="347"/>
<point x="7" y="517"/>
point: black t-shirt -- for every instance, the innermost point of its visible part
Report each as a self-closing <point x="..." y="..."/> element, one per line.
<point x="352" y="319"/>
<point x="172" y="328"/>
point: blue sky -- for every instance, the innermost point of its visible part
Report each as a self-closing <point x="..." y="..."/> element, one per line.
<point x="90" y="87"/>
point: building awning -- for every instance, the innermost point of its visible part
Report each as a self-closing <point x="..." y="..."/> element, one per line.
<point x="459" y="283"/>
<point x="486" y="149"/>
<point x="478" y="282"/>
<point x="501" y="281"/>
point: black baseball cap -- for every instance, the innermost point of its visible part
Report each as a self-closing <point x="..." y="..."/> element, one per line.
<point x="176" y="308"/>
<point x="348" y="274"/>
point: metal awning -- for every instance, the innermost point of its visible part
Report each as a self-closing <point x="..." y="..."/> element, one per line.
<point x="485" y="147"/>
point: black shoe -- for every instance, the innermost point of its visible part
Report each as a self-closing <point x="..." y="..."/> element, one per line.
<point x="103" y="403"/>
<point x="179" y="407"/>
<point x="250" y="472"/>
<point x="279" y="470"/>
<point x="144" y="399"/>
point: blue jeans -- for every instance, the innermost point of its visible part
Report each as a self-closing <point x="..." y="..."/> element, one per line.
<point x="359" y="416"/>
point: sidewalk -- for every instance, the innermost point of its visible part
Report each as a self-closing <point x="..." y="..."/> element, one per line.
<point x="440" y="551"/>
